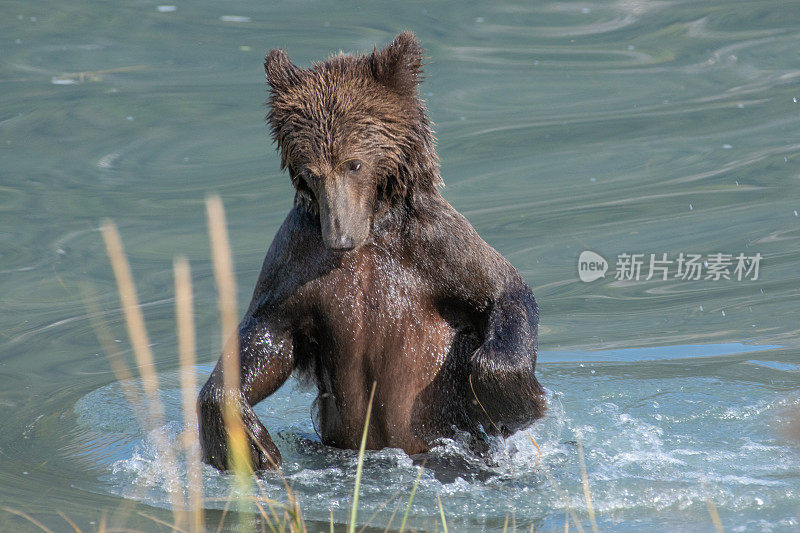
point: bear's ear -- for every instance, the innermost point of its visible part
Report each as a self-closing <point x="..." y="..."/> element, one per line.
<point x="281" y="72"/>
<point x="399" y="65"/>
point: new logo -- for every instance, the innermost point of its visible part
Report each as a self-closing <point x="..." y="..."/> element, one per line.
<point x="591" y="266"/>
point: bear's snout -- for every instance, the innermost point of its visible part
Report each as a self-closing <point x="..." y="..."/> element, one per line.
<point x="345" y="215"/>
<point x="342" y="243"/>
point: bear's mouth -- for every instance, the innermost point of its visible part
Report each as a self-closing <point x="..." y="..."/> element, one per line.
<point x="342" y="244"/>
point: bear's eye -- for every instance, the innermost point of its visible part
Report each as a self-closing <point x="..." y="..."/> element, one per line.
<point x="354" y="166"/>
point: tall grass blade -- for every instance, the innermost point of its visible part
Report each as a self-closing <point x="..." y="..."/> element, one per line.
<point x="226" y="294"/>
<point x="586" y="493"/>
<point x="441" y="513"/>
<point x="411" y="498"/>
<point x="712" y="511"/>
<point x="569" y="512"/>
<point x="391" y="518"/>
<point x="70" y="522"/>
<point x="172" y="527"/>
<point x="184" y="316"/>
<point x="361" y="449"/>
<point x="144" y="358"/>
<point x="29" y="518"/>
<point x="123" y="376"/>
<point x="380" y="508"/>
<point x="238" y="446"/>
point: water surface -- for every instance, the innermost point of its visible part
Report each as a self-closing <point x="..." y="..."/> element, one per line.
<point x="617" y="127"/>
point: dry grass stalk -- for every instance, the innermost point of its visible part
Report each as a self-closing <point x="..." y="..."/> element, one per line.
<point x="29" y="518"/>
<point x="712" y="511"/>
<point x="70" y="522"/>
<point x="226" y="294"/>
<point x="123" y="376"/>
<point x="144" y="357"/>
<point x="586" y="493"/>
<point x="569" y="512"/>
<point x="184" y="316"/>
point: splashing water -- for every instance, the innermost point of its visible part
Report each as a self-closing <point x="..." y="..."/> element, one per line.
<point x="655" y="450"/>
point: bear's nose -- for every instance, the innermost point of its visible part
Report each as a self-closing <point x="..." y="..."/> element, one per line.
<point x="343" y="243"/>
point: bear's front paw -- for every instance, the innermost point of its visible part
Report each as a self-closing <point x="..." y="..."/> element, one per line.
<point x="503" y="396"/>
<point x="264" y="455"/>
<point x="214" y="441"/>
<point x="260" y="451"/>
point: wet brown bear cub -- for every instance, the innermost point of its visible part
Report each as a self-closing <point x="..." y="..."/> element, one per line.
<point x="374" y="277"/>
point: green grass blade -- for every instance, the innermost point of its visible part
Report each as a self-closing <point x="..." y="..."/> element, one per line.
<point x="361" y="449"/>
<point x="441" y="513"/>
<point x="411" y="499"/>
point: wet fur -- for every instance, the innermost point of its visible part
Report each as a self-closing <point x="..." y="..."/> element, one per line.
<point x="443" y="324"/>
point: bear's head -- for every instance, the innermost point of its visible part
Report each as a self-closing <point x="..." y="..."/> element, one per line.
<point x="354" y="135"/>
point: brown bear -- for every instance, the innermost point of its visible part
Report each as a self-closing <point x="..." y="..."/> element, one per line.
<point x="374" y="277"/>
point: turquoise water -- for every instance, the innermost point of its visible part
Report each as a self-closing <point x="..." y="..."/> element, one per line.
<point x="616" y="127"/>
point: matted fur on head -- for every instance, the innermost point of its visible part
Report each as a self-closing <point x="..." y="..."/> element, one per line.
<point x="363" y="107"/>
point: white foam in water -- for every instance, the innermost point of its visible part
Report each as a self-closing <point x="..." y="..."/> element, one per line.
<point x="234" y="18"/>
<point x="655" y="450"/>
